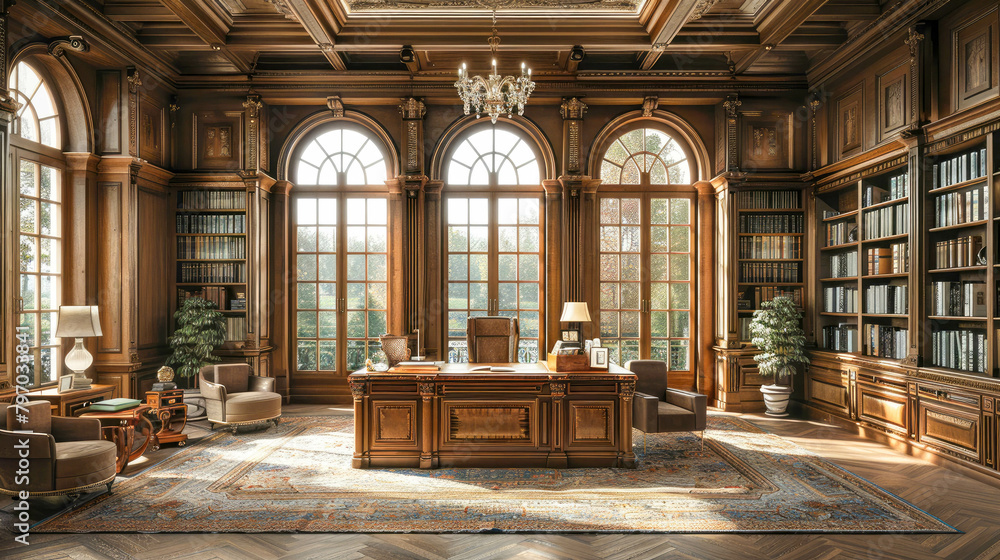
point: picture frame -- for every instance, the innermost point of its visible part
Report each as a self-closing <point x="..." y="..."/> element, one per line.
<point x="568" y="335"/>
<point x="599" y="358"/>
<point x="65" y="383"/>
<point x="597" y="343"/>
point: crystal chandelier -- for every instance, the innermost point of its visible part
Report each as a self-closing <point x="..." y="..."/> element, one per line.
<point x="494" y="95"/>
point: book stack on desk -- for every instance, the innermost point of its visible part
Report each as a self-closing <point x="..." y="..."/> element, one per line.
<point x="416" y="367"/>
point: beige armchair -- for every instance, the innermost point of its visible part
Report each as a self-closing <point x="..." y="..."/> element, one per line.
<point x="68" y="455"/>
<point x="235" y="397"/>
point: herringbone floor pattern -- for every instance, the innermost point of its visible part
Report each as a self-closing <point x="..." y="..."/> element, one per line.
<point x="966" y="503"/>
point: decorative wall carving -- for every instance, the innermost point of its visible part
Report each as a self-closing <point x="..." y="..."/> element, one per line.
<point x="335" y="105"/>
<point x="411" y="108"/>
<point x="849" y="123"/>
<point x="731" y="106"/>
<point x="218" y="140"/>
<point x="151" y="131"/>
<point x="894" y="104"/>
<point x="767" y="140"/>
<point x="572" y="108"/>
<point x="134" y="82"/>
<point x="976" y="69"/>
<point x="58" y="47"/>
<point x="975" y="60"/>
<point x="649" y="104"/>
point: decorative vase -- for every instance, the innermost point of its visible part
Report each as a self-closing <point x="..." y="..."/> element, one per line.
<point x="165" y="374"/>
<point x="776" y="399"/>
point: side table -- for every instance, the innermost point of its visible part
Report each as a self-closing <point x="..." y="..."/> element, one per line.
<point x="119" y="428"/>
<point x="168" y="407"/>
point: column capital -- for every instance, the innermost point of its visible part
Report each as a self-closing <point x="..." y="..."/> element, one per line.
<point x="572" y="108"/>
<point x="412" y="108"/>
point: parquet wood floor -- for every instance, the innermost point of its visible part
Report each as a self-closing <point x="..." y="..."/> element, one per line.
<point x="971" y="505"/>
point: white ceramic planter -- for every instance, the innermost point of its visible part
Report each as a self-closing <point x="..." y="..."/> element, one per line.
<point x="776" y="399"/>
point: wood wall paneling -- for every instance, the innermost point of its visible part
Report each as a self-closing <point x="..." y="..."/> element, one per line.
<point x="109" y="258"/>
<point x="109" y="110"/>
<point x="975" y="59"/>
<point x="849" y="118"/>
<point x="152" y="130"/>
<point x="154" y="266"/>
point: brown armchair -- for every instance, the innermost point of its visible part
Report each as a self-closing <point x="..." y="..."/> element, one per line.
<point x="235" y="397"/>
<point x="68" y="455"/>
<point x="657" y="408"/>
<point x="492" y="339"/>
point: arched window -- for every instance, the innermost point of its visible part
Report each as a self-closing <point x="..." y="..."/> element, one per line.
<point x="38" y="119"/>
<point x="495" y="235"/>
<point x="35" y="149"/>
<point x="342" y="156"/>
<point x="645" y="153"/>
<point x="341" y="232"/>
<point x="493" y="156"/>
<point x="645" y="264"/>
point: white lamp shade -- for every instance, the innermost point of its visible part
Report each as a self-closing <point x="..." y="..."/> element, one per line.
<point x="575" y="312"/>
<point x="78" y="321"/>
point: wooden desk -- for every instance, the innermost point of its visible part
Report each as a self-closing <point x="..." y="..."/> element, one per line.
<point x="529" y="418"/>
<point x="71" y="402"/>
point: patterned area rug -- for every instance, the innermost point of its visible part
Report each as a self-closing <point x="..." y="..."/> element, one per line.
<point x="298" y="477"/>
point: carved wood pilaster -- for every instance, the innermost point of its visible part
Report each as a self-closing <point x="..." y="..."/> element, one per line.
<point x="554" y="254"/>
<point x="921" y="66"/>
<point x="412" y="225"/>
<point x="731" y="106"/>
<point x="572" y="111"/>
<point x="707" y="301"/>
<point x="579" y="239"/>
<point x="431" y="305"/>
<point x="252" y="113"/>
<point x="134" y="83"/>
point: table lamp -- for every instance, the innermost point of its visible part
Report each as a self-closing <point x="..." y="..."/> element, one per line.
<point x="78" y="321"/>
<point x="574" y="313"/>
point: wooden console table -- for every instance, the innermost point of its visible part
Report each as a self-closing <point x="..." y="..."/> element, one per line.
<point x="168" y="407"/>
<point x="71" y="402"/>
<point x="531" y="417"/>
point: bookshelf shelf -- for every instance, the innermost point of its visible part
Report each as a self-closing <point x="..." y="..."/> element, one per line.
<point x="211" y="211"/>
<point x="955" y="318"/>
<point x="841" y="246"/>
<point x="837" y="314"/>
<point x="887" y="203"/>
<point x="885" y="276"/>
<point x="850" y="214"/>
<point x="770" y="210"/>
<point x="885" y="315"/>
<point x="771" y="234"/>
<point x="841" y="279"/>
<point x="957" y="269"/>
<point x="887" y="238"/>
<point x="959" y="186"/>
<point x="977" y="223"/>
<point x="771" y="284"/>
<point x="210" y="260"/>
<point x="772" y="260"/>
<point x="211" y="284"/>
<point x="211" y="235"/>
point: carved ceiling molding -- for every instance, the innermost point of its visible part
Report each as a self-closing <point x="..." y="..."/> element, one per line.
<point x="58" y="47"/>
<point x="702" y="8"/>
<point x="283" y="7"/>
<point x="360" y="6"/>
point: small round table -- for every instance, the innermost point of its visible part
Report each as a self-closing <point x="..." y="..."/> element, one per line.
<point x="119" y="426"/>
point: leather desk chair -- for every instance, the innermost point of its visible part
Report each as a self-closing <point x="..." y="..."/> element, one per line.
<point x="492" y="339"/>
<point x="657" y="408"/>
<point x="68" y="455"/>
<point x="235" y="397"/>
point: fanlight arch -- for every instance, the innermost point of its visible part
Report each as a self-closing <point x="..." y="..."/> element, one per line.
<point x="493" y="156"/>
<point x="341" y="156"/>
<point x="37" y="120"/>
<point x="647" y="151"/>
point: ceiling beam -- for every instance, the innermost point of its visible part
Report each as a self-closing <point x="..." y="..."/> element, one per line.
<point x="778" y="25"/>
<point x="667" y="19"/>
<point x="209" y="26"/>
<point x="138" y="11"/>
<point x="322" y="21"/>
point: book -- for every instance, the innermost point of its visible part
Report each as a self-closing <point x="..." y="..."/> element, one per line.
<point x="114" y="405"/>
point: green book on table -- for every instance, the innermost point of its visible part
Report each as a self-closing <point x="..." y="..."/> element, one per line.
<point x="113" y="405"/>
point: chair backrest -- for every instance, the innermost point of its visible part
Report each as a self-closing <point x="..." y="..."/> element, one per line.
<point x="650" y="376"/>
<point x="234" y="377"/>
<point x="37" y="416"/>
<point x="492" y="339"/>
<point x="396" y="348"/>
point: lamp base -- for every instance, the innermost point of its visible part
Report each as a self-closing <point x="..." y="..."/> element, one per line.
<point x="80" y="380"/>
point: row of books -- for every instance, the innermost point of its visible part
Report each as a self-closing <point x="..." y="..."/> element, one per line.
<point x="771" y="247"/>
<point x="768" y="200"/>
<point x="958" y="299"/>
<point x="216" y="295"/>
<point x="212" y="200"/>
<point x="958" y="252"/>
<point x="772" y="223"/>
<point x="211" y="248"/>
<point x="211" y="223"/>
<point x="236" y="328"/>
<point x="959" y="349"/>
<point x="886" y="299"/>
<point x="844" y="265"/>
<point x="894" y="259"/>
<point x="842" y="337"/>
<point x="886" y="221"/>
<point x="752" y="298"/>
<point x="211" y="273"/>
<point x="838" y="233"/>
<point x="770" y="272"/>
<point x="899" y="187"/>
<point x="886" y="342"/>
<point x="955" y="208"/>
<point x="840" y="299"/>
<point x="960" y="168"/>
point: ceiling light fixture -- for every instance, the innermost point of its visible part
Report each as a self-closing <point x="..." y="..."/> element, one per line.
<point x="494" y="95"/>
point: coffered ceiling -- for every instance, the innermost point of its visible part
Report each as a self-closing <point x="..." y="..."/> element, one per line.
<point x="190" y="42"/>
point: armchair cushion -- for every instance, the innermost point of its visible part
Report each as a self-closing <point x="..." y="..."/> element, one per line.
<point x="37" y="416"/>
<point x="75" y="429"/>
<point x="651" y="376"/>
<point x="209" y="390"/>
<point x="79" y="463"/>
<point x="694" y="403"/>
<point x="234" y="377"/>
<point x="252" y="405"/>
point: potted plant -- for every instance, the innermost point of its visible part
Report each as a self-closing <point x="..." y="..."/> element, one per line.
<point x="775" y="331"/>
<point x="200" y="330"/>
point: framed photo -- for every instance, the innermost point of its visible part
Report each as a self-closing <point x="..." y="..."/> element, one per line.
<point x="570" y="335"/>
<point x="65" y="383"/>
<point x="597" y="343"/>
<point x="599" y="358"/>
